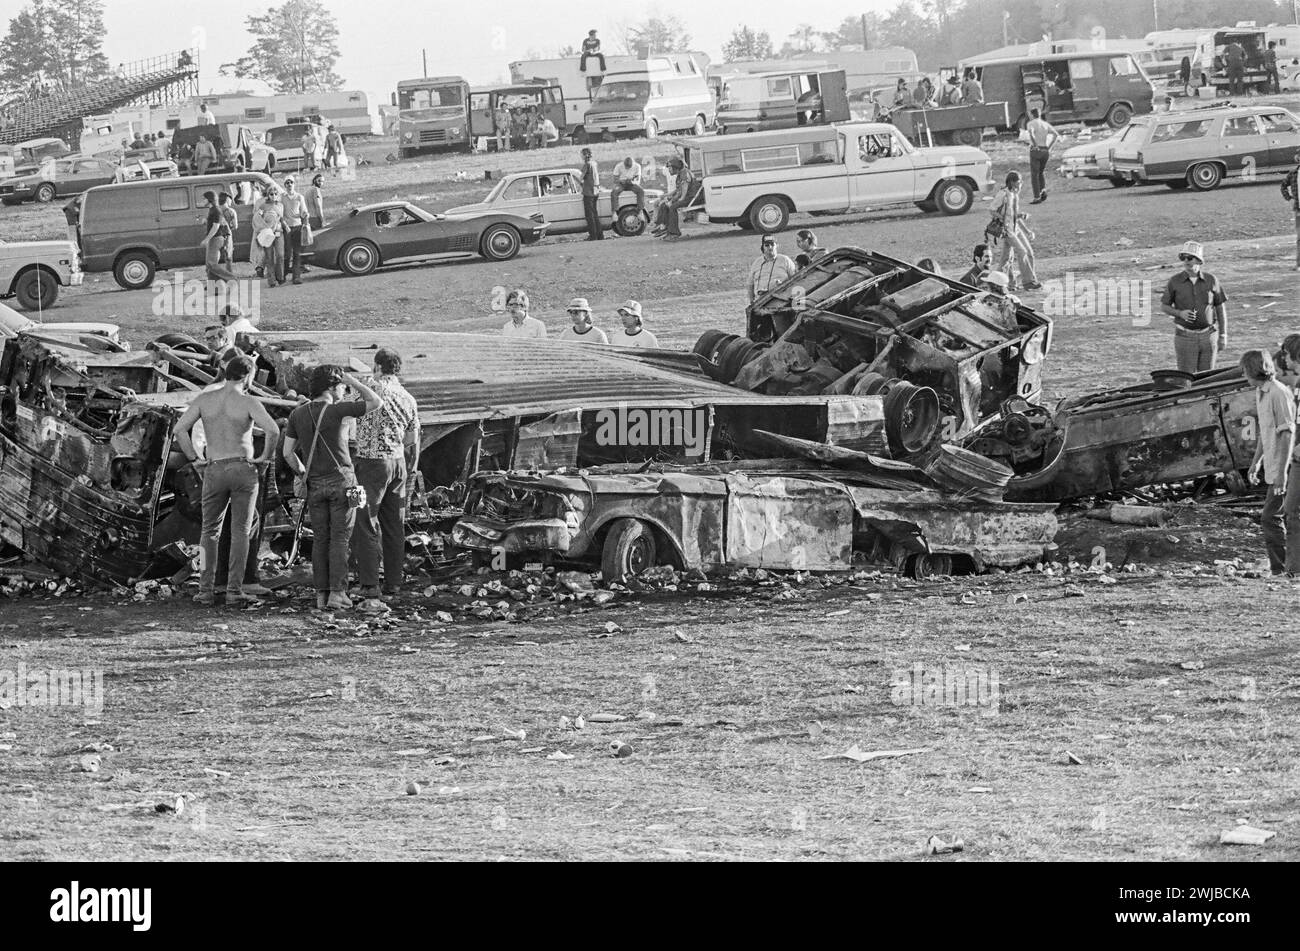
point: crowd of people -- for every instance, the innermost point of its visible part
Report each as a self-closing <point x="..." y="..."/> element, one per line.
<point x="630" y="333"/>
<point x="284" y="219"/>
<point x="523" y="127"/>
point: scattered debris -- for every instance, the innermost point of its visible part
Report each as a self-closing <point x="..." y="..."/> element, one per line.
<point x="413" y="789"/>
<point x="1072" y="760"/>
<point x="858" y="756"/>
<point x="1245" y="835"/>
<point x="621" y="750"/>
<point x="936" y="846"/>
<point x="559" y="755"/>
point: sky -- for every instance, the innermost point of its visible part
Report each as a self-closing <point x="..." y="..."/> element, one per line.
<point x="380" y="40"/>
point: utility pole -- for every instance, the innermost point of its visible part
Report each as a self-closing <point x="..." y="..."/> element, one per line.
<point x="424" y="54"/>
<point x="1006" y="15"/>
<point x="866" y="45"/>
<point x="1155" y="14"/>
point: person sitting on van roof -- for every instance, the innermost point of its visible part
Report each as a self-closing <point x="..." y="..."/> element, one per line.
<point x="971" y="89"/>
<point x="590" y="48"/>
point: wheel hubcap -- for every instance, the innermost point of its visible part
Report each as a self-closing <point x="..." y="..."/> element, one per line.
<point x="135" y="272"/>
<point x="501" y="243"/>
<point x="952" y="196"/>
<point x="769" y="215"/>
<point x="359" y="258"/>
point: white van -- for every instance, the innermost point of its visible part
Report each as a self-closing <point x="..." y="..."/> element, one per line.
<point x="757" y="180"/>
<point x="661" y="94"/>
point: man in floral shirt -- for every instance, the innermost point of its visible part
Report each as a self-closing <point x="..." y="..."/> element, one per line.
<point x="387" y="450"/>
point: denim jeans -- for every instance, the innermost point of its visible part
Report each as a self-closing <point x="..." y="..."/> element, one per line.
<point x="227" y="484"/>
<point x="332" y="521"/>
<point x="382" y="518"/>
<point x="1280" y="521"/>
<point x="273" y="261"/>
<point x="294" y="263"/>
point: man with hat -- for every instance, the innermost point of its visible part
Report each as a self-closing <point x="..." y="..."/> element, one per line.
<point x="951" y="93"/>
<point x="1196" y="301"/>
<point x="582" y="330"/>
<point x="632" y="333"/>
<point x="769" y="269"/>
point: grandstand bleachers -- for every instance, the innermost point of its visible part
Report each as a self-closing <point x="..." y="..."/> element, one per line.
<point x="158" y="79"/>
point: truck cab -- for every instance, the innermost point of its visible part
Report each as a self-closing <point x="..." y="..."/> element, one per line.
<point x="433" y="115"/>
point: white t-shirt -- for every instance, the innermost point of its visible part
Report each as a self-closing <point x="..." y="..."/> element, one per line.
<point x="642" y="338"/>
<point x="531" y="327"/>
<point x="625" y="174"/>
<point x="593" y="335"/>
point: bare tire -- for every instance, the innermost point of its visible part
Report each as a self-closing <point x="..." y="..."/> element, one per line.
<point x="36" y="289"/>
<point x="629" y="550"/>
<point x="927" y="565"/>
<point x="500" y="243"/>
<point x="134" y="270"/>
<point x="629" y="222"/>
<point x="768" y="215"/>
<point x="45" y="194"/>
<point x="700" y="126"/>
<point x="954" y="197"/>
<point x="651" y="129"/>
<point x="358" y="258"/>
<point x="1119" y="116"/>
<point x="1205" y="176"/>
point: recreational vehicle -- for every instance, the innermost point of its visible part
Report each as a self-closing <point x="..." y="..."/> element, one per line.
<point x="660" y="94"/>
<point x="1089" y="86"/>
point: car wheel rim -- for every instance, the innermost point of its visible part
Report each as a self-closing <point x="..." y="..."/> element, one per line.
<point x="638" y="558"/>
<point x="501" y="242"/>
<point x="770" y="216"/>
<point x="359" y="258"/>
<point x="135" y="272"/>
<point x="953" y="196"/>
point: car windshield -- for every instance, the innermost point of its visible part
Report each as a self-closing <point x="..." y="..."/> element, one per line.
<point x="1133" y="132"/>
<point x="433" y="98"/>
<point x="623" y="91"/>
<point x="496" y="191"/>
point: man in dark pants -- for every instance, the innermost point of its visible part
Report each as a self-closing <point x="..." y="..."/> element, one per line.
<point x="1270" y="68"/>
<point x="590" y="196"/>
<point x="1234" y="61"/>
<point x="1041" y="139"/>
<point x="387" y="443"/>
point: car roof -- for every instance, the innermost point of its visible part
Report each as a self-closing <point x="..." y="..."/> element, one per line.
<point x="548" y="171"/>
<point x="261" y="177"/>
<point x="381" y="205"/>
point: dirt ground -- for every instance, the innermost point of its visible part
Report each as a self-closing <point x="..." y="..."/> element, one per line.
<point x="1170" y="678"/>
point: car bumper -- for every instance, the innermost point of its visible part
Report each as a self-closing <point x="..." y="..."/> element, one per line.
<point x="1129" y="173"/>
<point x="1083" y="171"/>
<point x="615" y="126"/>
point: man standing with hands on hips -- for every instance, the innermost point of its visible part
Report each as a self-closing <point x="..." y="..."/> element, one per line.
<point x="1196" y="301"/>
<point x="590" y="193"/>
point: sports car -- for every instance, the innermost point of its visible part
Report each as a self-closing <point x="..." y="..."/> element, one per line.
<point x="398" y="232"/>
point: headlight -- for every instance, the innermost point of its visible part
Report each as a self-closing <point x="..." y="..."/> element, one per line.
<point x="408" y="137"/>
<point x="455" y="130"/>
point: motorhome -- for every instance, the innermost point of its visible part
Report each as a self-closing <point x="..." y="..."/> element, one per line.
<point x="659" y="94"/>
<point x="432" y="115"/>
<point x="757" y="180"/>
<point x="351" y="112"/>
<point x="783" y="99"/>
<point x="864" y="70"/>
<point x="1208" y="71"/>
<point x="1090" y="86"/>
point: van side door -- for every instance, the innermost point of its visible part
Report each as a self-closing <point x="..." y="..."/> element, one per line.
<point x="554" y="109"/>
<point x="834" y="96"/>
<point x="181" y="222"/>
<point x="480" y="115"/>
<point x="1090" y="85"/>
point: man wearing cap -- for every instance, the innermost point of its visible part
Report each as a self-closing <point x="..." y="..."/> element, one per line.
<point x="1196" y="301"/>
<point x="769" y="269"/>
<point x="632" y="333"/>
<point x="590" y="193"/>
<point x="582" y="330"/>
<point x="520" y="324"/>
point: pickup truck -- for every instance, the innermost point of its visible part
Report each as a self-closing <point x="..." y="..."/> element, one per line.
<point x="757" y="180"/>
<point x="950" y="125"/>
<point x="33" y="271"/>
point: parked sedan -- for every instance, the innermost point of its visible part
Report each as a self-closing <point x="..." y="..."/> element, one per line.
<point x="66" y="176"/>
<point x="1091" y="159"/>
<point x="556" y="194"/>
<point x="398" y="232"/>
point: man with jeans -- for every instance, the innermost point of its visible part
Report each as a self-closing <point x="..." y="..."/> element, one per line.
<point x="627" y="178"/>
<point x="1041" y="139"/>
<point x="230" y="473"/>
<point x="387" y="450"/>
<point x="316" y="449"/>
<point x="590" y="195"/>
<point x="1198" y="305"/>
<point x="295" y="216"/>
<point x="1275" y="413"/>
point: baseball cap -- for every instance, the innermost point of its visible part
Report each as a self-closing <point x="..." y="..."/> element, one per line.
<point x="1193" y="249"/>
<point x="630" y="307"/>
<point x="579" y="303"/>
<point x="998" y="279"/>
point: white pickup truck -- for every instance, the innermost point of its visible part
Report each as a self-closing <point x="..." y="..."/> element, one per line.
<point x="757" y="180"/>
<point x="33" y="271"/>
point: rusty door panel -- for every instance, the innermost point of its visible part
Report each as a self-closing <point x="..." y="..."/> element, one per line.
<point x="784" y="523"/>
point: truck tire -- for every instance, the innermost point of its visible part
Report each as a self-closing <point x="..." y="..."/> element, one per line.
<point x="971" y="137"/>
<point x="1119" y="116"/>
<point x="629" y="550"/>
<point x="36" y="289"/>
<point x="652" y="128"/>
<point x="1120" y="182"/>
<point x="769" y="214"/>
<point x="700" y="127"/>
<point x="954" y="197"/>
<point x="134" y="270"/>
<point x="1205" y="176"/>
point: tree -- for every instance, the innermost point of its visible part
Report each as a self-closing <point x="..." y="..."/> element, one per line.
<point x="849" y="32"/>
<point x="59" y="41"/>
<point x="295" y="48"/>
<point x="747" y="43"/>
<point x="658" y="34"/>
<point x="804" y="38"/>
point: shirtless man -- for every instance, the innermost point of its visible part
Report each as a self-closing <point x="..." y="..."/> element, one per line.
<point x="230" y="473"/>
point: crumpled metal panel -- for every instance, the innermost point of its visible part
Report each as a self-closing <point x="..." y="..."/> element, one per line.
<point x="992" y="533"/>
<point x="550" y="443"/>
<point x="785" y="523"/>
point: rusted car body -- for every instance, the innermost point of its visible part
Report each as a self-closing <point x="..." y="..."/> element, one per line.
<point x="782" y="517"/>
<point x="1177" y="428"/>
<point x="865" y="323"/>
